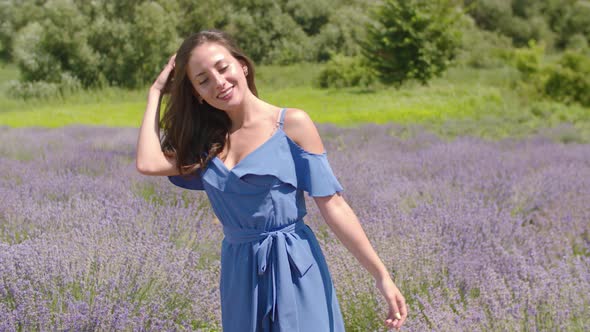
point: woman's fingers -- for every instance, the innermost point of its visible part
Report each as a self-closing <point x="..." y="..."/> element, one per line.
<point x="171" y="63"/>
<point x="397" y="312"/>
<point x="163" y="80"/>
<point x="392" y="319"/>
<point x="395" y="301"/>
<point x="402" y="311"/>
<point x="403" y="308"/>
<point x="169" y="66"/>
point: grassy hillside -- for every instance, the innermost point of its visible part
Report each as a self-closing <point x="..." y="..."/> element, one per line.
<point x="464" y="101"/>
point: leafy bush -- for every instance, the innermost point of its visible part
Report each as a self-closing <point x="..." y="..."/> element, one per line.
<point x="414" y="39"/>
<point x="280" y="31"/>
<point x="569" y="20"/>
<point x="578" y="43"/>
<point x="569" y="80"/>
<point x="281" y="41"/>
<point x="125" y="43"/>
<point x="554" y="22"/>
<point x="310" y="15"/>
<point x="522" y="30"/>
<point x="530" y="71"/>
<point x="33" y="63"/>
<point x="489" y="14"/>
<point x="66" y="86"/>
<point x="528" y="60"/>
<point x="15" y="15"/>
<point x="343" y="71"/>
<point x="29" y="90"/>
<point x="342" y="33"/>
<point x="98" y="48"/>
<point x="482" y="48"/>
<point x="153" y="40"/>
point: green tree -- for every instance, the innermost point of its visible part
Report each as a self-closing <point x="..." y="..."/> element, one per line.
<point x="267" y="33"/>
<point x="413" y="39"/>
<point x="55" y="45"/>
<point x="490" y="14"/>
<point x="554" y="22"/>
<point x="568" y="20"/>
<point x="157" y="42"/>
<point x="200" y="15"/>
<point x="343" y="33"/>
<point x="96" y="43"/>
<point x="310" y="15"/>
<point x="14" y="16"/>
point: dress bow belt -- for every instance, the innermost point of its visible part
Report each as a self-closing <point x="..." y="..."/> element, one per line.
<point x="278" y="247"/>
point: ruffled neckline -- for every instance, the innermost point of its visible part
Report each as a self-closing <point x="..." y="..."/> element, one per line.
<point x="245" y="159"/>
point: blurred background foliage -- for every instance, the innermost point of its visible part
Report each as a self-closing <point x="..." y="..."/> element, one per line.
<point x="67" y="44"/>
<point x="487" y="68"/>
<point x="537" y="49"/>
<point x="122" y="43"/>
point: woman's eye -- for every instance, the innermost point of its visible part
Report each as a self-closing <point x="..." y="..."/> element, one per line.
<point x="203" y="82"/>
<point x="223" y="69"/>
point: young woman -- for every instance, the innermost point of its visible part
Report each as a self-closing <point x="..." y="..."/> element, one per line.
<point x="254" y="160"/>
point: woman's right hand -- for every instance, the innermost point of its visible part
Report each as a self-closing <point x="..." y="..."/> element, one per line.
<point x="162" y="84"/>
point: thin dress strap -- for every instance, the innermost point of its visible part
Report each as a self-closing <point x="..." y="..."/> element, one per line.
<point x="282" y="117"/>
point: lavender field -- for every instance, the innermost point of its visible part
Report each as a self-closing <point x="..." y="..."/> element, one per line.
<point x="480" y="235"/>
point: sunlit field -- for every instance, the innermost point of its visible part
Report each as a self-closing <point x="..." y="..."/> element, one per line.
<point x="479" y="235"/>
<point x="464" y="101"/>
<point x="473" y="187"/>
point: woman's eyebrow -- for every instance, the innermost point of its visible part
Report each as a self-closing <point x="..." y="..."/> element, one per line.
<point x="215" y="65"/>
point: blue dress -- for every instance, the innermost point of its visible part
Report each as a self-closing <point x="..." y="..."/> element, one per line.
<point x="273" y="273"/>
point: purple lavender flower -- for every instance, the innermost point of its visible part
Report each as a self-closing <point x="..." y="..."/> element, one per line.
<point x="480" y="235"/>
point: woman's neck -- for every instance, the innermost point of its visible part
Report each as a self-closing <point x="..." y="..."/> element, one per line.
<point x="248" y="112"/>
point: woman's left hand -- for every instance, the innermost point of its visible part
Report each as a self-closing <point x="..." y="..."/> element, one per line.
<point x="397" y="304"/>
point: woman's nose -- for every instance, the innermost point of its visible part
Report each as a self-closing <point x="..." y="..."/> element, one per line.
<point x="220" y="81"/>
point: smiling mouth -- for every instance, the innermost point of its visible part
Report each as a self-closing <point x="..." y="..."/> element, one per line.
<point x="224" y="94"/>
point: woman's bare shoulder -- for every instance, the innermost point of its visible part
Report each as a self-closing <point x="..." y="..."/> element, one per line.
<point x="299" y="126"/>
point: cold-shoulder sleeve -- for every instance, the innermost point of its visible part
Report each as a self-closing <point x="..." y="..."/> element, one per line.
<point x="188" y="181"/>
<point x="314" y="173"/>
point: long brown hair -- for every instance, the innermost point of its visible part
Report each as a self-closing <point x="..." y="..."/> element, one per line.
<point x="194" y="132"/>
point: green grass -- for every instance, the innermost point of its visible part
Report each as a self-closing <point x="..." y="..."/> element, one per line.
<point x="285" y="86"/>
<point x="463" y="101"/>
<point x="349" y="106"/>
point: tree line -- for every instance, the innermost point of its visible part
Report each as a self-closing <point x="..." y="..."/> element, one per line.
<point x="70" y="44"/>
<point x="124" y="42"/>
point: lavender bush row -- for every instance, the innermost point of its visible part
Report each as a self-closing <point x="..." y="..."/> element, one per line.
<point x="479" y="235"/>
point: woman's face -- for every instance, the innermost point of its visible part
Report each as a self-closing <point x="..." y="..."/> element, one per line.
<point x="217" y="76"/>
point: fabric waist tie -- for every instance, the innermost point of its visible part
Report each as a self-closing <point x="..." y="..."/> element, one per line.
<point x="281" y="251"/>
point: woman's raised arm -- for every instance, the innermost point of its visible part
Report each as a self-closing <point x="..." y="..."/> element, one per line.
<point x="150" y="159"/>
